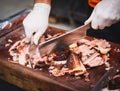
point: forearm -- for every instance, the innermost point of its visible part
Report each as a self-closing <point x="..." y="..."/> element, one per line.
<point x="43" y="1"/>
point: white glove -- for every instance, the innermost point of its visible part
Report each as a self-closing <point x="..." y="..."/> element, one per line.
<point x="37" y="21"/>
<point x="106" y="13"/>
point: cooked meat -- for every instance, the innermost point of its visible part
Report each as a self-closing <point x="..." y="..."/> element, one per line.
<point x="20" y="51"/>
<point x="94" y="52"/>
<point x="73" y="60"/>
<point x="91" y="58"/>
<point x="76" y="66"/>
<point x="58" y="72"/>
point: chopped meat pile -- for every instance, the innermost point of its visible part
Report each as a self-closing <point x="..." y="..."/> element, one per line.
<point x="73" y="60"/>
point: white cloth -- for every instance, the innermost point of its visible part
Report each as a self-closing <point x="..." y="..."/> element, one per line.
<point x="37" y="21"/>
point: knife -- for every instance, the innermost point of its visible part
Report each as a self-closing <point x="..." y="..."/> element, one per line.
<point x="104" y="79"/>
<point x="62" y="41"/>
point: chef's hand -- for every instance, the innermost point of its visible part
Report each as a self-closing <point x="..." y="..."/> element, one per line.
<point x="37" y="21"/>
<point x="106" y="13"/>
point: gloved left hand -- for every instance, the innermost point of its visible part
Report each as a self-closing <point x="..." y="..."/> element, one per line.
<point x="106" y="13"/>
<point x="37" y="21"/>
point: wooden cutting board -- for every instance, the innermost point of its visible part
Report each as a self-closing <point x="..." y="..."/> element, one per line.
<point x="41" y="80"/>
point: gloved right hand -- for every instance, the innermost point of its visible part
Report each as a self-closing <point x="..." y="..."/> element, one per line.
<point x="105" y="13"/>
<point x="37" y="21"/>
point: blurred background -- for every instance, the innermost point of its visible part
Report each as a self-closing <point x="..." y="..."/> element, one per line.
<point x="65" y="14"/>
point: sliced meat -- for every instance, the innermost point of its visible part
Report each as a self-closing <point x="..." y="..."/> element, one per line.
<point x="72" y="60"/>
<point x="92" y="57"/>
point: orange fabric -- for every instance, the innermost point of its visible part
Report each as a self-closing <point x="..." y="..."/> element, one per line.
<point x="92" y="3"/>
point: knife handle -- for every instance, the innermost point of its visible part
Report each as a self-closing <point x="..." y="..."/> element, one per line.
<point x="13" y="20"/>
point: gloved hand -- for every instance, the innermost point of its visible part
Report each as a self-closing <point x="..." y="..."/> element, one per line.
<point x="106" y="13"/>
<point x="37" y="21"/>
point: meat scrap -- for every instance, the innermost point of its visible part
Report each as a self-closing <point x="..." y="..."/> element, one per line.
<point x="20" y="51"/>
<point x="77" y="67"/>
<point x="73" y="61"/>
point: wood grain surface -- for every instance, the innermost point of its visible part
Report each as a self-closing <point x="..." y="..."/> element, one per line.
<point x="41" y="80"/>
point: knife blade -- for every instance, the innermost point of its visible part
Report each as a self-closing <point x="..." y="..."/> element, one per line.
<point x="63" y="40"/>
<point x="32" y="50"/>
